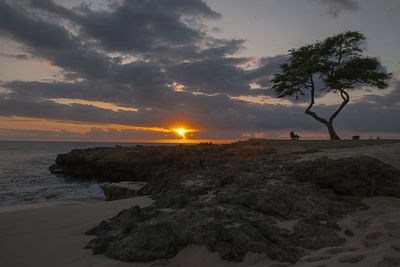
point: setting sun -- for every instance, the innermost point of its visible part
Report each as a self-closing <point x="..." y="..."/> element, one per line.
<point x="181" y="132"/>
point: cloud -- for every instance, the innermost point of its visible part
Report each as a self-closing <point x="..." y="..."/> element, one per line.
<point x="50" y="6"/>
<point x="51" y="42"/>
<point x="268" y="66"/>
<point x="20" y="56"/>
<point x="207" y="112"/>
<point x="391" y="99"/>
<point x="334" y="7"/>
<point x="158" y="30"/>
<point x="211" y="76"/>
<point x="215" y="115"/>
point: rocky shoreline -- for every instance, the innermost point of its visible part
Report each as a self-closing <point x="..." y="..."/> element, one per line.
<point x="234" y="199"/>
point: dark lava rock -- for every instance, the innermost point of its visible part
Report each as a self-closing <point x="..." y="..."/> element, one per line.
<point x="231" y="219"/>
<point x="141" y="163"/>
<point x="106" y="164"/>
<point x="349" y="233"/>
<point x="55" y="169"/>
<point x="362" y="177"/>
<point x="233" y="199"/>
<point x="136" y="234"/>
<point x="121" y="190"/>
<point x="50" y="195"/>
<point x="315" y="236"/>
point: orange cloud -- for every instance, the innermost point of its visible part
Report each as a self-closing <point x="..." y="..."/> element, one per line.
<point x="98" y="104"/>
<point x="263" y="100"/>
<point x="177" y="87"/>
<point x="47" y="65"/>
<point x="25" y="123"/>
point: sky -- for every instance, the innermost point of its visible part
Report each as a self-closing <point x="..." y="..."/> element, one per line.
<point x="136" y="70"/>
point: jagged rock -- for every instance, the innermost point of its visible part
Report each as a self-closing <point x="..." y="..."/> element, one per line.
<point x="50" y="195"/>
<point x="363" y="176"/>
<point x="142" y="163"/>
<point x="315" y="236"/>
<point x="233" y="199"/>
<point x="121" y="190"/>
<point x="99" y="229"/>
<point x="232" y="222"/>
<point x="55" y="169"/>
<point x="349" y="233"/>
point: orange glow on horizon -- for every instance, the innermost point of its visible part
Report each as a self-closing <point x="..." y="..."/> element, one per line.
<point x="27" y="123"/>
<point x="184" y="141"/>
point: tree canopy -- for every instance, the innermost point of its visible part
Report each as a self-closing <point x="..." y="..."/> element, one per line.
<point x="338" y="64"/>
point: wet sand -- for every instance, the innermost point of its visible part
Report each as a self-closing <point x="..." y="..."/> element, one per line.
<point x="52" y="234"/>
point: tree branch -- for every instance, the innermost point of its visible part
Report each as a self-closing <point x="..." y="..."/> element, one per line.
<point x="308" y="110"/>
<point x="346" y="98"/>
<point x="334" y="65"/>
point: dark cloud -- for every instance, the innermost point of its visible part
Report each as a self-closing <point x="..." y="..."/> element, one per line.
<point x="51" y="42"/>
<point x="50" y="6"/>
<point x="76" y="54"/>
<point x="391" y="100"/>
<point x="364" y="117"/>
<point x="160" y="30"/>
<point x="221" y="48"/>
<point x="263" y="74"/>
<point x="211" y="76"/>
<point x="334" y="7"/>
<point x="268" y="66"/>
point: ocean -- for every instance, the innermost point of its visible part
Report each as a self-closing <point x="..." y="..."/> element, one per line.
<point x="25" y="176"/>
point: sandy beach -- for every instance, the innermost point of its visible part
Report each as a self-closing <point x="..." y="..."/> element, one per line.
<point x="52" y="234"/>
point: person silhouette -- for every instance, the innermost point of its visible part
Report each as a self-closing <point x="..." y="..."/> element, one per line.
<point x="294" y="136"/>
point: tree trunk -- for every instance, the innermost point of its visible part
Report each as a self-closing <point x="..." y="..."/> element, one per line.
<point x="332" y="133"/>
<point x="328" y="123"/>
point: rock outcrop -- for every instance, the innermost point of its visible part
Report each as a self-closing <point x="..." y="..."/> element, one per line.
<point x="231" y="222"/>
<point x="121" y="190"/>
<point x="234" y="199"/>
<point x="363" y="176"/>
<point x="141" y="163"/>
<point x="110" y="164"/>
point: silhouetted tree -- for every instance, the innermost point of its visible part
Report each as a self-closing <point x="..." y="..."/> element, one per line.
<point x="337" y="63"/>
